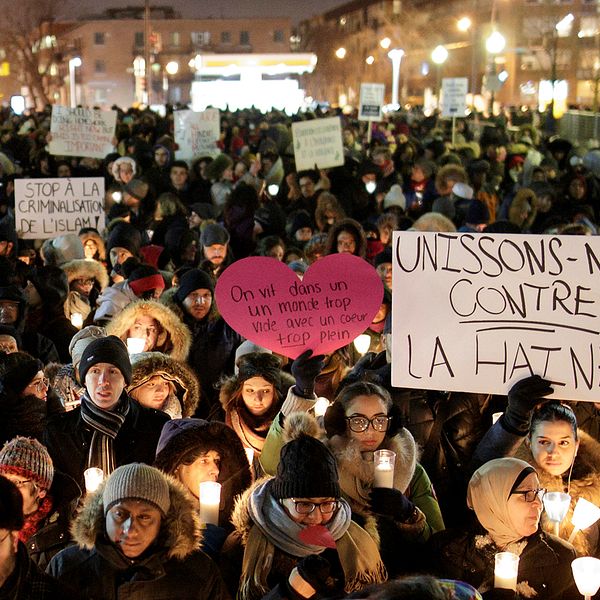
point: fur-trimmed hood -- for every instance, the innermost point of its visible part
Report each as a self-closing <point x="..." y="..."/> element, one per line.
<point x="175" y="339"/>
<point x="96" y="237"/>
<point x="187" y="389"/>
<point x="83" y="268"/>
<point x="180" y="529"/>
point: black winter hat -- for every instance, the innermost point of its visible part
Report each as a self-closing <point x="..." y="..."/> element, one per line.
<point x="11" y="506"/>
<point x="306" y="469"/>
<point x="204" y="210"/>
<point x="124" y="235"/>
<point x="213" y="233"/>
<point x="17" y="370"/>
<point x="259" y="364"/>
<point x="385" y="256"/>
<point x="51" y="284"/>
<point x="106" y="350"/>
<point x="194" y="279"/>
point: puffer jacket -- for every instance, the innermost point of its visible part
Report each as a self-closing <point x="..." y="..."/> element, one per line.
<point x="112" y="301"/>
<point x="175" y="338"/>
<point x="172" y="568"/>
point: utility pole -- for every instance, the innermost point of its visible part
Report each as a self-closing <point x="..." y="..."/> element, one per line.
<point x="147" y="33"/>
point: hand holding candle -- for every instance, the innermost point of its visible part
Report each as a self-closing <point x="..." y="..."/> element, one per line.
<point x="384" y="461"/>
<point x="93" y="478"/>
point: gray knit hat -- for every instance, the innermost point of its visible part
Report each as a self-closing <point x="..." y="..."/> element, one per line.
<point x="27" y="458"/>
<point x="137" y="481"/>
<point x="82" y="339"/>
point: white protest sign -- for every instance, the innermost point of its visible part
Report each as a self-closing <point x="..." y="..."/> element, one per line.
<point x="318" y="142"/>
<point x="197" y="133"/>
<point x="478" y="312"/>
<point x="371" y="101"/>
<point x="82" y="131"/>
<point x="45" y="208"/>
<point x="454" y="96"/>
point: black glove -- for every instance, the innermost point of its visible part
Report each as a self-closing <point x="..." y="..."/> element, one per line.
<point x="305" y="370"/>
<point x="315" y="570"/>
<point x="392" y="503"/>
<point x="522" y="398"/>
<point x="370" y="368"/>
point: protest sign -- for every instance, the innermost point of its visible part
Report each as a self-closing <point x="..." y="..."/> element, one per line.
<point x="197" y="133"/>
<point x="45" y="208"/>
<point x="318" y="142"/>
<point x="266" y="302"/>
<point x="454" y="96"/>
<point x="478" y="312"/>
<point x="371" y="101"/>
<point x="82" y="131"/>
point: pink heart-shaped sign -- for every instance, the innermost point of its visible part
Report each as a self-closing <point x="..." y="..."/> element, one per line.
<point x="317" y="535"/>
<point x="266" y="302"/>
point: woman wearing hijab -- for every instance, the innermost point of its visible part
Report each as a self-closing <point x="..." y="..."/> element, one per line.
<point x="506" y="498"/>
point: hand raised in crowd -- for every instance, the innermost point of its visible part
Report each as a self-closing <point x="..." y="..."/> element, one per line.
<point x="305" y="369"/>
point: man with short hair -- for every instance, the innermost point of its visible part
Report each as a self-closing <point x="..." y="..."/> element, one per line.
<point x="179" y="175"/>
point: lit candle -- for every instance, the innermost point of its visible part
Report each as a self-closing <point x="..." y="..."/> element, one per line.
<point x="93" y="478"/>
<point x="506" y="571"/>
<point x="210" y="497"/>
<point x="77" y="320"/>
<point x="362" y="343"/>
<point x="135" y="345"/>
<point x="321" y="406"/>
<point x="249" y="455"/>
<point x="556" y="505"/>
<point x="384" y="461"/>
<point x="586" y="573"/>
<point x="496" y="416"/>
<point x="584" y="516"/>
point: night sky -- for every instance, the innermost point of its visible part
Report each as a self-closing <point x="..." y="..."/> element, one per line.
<point x="296" y="9"/>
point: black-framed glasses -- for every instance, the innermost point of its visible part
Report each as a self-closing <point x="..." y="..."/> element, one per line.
<point x="303" y="507"/>
<point x="22" y="483"/>
<point x="531" y="495"/>
<point x="359" y="423"/>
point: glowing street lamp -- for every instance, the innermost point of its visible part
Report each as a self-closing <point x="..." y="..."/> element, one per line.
<point x="395" y="56"/>
<point x="495" y="43"/>
<point x="464" y="24"/>
<point x="341" y="53"/>
<point x="172" y="67"/>
<point x="370" y="60"/>
<point x="73" y="64"/>
<point x="439" y="56"/>
<point x="385" y="43"/>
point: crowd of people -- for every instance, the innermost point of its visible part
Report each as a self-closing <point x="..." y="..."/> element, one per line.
<point x="114" y="356"/>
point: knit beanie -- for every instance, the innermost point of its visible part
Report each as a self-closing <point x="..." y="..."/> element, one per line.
<point x="62" y="249"/>
<point x="106" y="350"/>
<point x="194" y="279"/>
<point x="17" y="370"/>
<point x="27" y="458"/>
<point x="137" y="188"/>
<point x="82" y="339"/>
<point x="137" y="481"/>
<point x="11" y="506"/>
<point x="306" y="469"/>
<point x="216" y="168"/>
<point x="213" y="233"/>
<point x="124" y="235"/>
<point x="203" y="209"/>
<point x="259" y="364"/>
<point x="477" y="213"/>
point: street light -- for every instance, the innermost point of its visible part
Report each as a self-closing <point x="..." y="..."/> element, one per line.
<point x="385" y="43"/>
<point x="464" y="24"/>
<point x="172" y="67"/>
<point x="73" y="63"/>
<point x="341" y="53"/>
<point x="439" y="56"/>
<point x="395" y="56"/>
<point x="495" y="43"/>
<point x="370" y="59"/>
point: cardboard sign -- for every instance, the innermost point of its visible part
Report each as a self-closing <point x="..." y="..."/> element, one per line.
<point x="82" y="131"/>
<point x="45" y="208"/>
<point x="318" y="142"/>
<point x="454" y="96"/>
<point x="371" y="101"/>
<point x="478" y="312"/>
<point x="197" y="133"/>
<point x="266" y="302"/>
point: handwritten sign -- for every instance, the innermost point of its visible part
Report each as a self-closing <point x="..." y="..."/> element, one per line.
<point x="318" y="142"/>
<point x="478" y="312"/>
<point x="45" y="208"/>
<point x="454" y="96"/>
<point x="371" y="101"/>
<point x="82" y="131"/>
<point x="197" y="133"/>
<point x="266" y="302"/>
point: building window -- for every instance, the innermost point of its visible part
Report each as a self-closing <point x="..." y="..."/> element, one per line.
<point x="100" y="96"/>
<point x="200" y="38"/>
<point x="139" y="39"/>
<point x="225" y="37"/>
<point x="244" y="38"/>
<point x="99" y="38"/>
<point x="100" y="66"/>
<point x="397" y="7"/>
<point x="175" y="38"/>
<point x="278" y="36"/>
<point x="588" y="27"/>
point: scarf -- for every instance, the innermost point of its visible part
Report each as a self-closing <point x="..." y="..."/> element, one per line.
<point x="33" y="522"/>
<point x="274" y="528"/>
<point x="105" y="425"/>
<point x="250" y="429"/>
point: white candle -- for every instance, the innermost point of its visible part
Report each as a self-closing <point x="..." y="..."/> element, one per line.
<point x="321" y="406"/>
<point x="586" y="572"/>
<point x="249" y="455"/>
<point x="210" y="497"/>
<point x="384" y="461"/>
<point x="93" y="478"/>
<point x="506" y="571"/>
<point x="135" y="345"/>
<point x="77" y="320"/>
<point x="362" y="343"/>
<point x="585" y="515"/>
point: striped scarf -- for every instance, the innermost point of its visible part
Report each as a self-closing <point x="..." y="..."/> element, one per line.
<point x="106" y="425"/>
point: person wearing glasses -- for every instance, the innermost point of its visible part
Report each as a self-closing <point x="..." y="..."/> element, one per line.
<point x="294" y="535"/>
<point x="505" y="496"/>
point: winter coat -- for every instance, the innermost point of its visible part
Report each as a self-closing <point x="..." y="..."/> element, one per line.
<point x="544" y="564"/>
<point x="175" y="338"/>
<point x="68" y="439"/>
<point x="173" y="567"/>
<point x="21" y="416"/>
<point x="27" y="582"/>
<point x="184" y="401"/>
<point x="84" y="269"/>
<point x="112" y="301"/>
